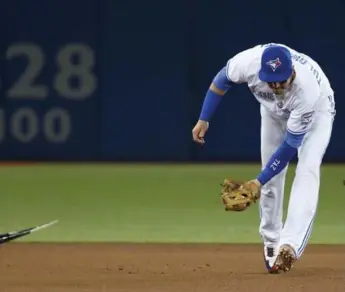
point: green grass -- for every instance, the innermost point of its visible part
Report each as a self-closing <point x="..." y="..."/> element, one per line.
<point x="147" y="203"/>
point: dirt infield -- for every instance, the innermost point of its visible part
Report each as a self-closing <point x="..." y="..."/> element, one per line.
<point x="153" y="268"/>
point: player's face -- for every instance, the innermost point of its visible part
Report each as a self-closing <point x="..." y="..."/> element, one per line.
<point x="279" y="87"/>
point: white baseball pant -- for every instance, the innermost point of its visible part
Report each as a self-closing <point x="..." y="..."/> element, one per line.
<point x="305" y="188"/>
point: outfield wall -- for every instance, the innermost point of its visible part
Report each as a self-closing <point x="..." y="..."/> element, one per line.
<point x="124" y="80"/>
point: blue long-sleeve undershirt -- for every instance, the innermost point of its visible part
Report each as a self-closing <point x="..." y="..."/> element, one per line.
<point x="281" y="157"/>
<point x="213" y="99"/>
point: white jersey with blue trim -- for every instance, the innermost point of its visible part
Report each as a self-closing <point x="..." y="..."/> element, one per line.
<point x="309" y="93"/>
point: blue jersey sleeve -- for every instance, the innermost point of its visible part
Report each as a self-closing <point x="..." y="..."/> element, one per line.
<point x="221" y="80"/>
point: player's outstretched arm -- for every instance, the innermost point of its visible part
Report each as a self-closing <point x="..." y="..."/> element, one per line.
<point x="281" y="157"/>
<point x="219" y="86"/>
<point x="277" y="162"/>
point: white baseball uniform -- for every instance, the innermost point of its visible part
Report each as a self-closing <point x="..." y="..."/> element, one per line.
<point x="307" y="107"/>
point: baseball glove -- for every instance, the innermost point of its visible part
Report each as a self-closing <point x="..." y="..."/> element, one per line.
<point x="236" y="196"/>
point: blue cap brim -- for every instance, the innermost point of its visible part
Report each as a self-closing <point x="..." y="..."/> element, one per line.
<point x="274" y="77"/>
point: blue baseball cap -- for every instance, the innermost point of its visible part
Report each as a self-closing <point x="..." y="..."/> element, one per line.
<point x="276" y="64"/>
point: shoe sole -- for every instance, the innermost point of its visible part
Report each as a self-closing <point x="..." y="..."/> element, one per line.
<point x="286" y="259"/>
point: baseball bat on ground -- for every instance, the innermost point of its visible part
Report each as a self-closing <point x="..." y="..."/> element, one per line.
<point x="5" y="237"/>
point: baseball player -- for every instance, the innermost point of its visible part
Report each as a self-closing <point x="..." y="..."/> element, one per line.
<point x="297" y="113"/>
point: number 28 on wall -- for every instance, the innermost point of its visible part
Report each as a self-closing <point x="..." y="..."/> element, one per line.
<point x="26" y="87"/>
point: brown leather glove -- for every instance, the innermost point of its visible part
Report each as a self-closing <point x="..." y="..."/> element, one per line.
<point x="239" y="195"/>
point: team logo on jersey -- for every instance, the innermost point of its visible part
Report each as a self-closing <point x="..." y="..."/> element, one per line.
<point x="274" y="64"/>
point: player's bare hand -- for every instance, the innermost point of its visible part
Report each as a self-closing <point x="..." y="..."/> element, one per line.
<point x="199" y="131"/>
